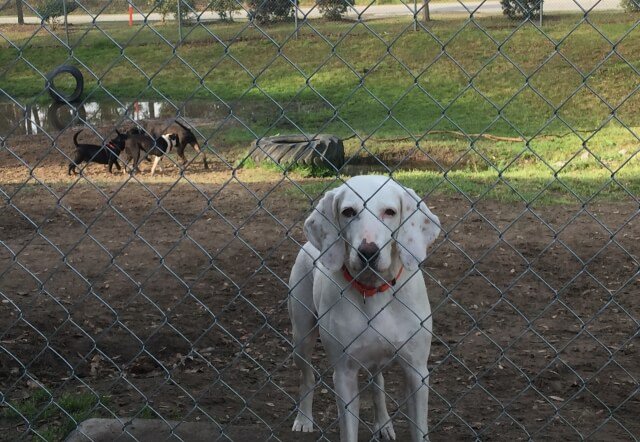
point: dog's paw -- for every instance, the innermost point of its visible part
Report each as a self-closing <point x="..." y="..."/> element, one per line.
<point x="386" y="431"/>
<point x="302" y="423"/>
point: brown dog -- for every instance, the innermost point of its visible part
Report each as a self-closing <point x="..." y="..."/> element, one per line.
<point x="137" y="144"/>
<point x="156" y="128"/>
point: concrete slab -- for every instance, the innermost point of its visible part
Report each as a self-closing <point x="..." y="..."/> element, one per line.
<point x="143" y="430"/>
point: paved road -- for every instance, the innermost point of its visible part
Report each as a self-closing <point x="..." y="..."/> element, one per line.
<point x="487" y="7"/>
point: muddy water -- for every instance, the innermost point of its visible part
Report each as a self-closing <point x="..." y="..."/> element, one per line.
<point x="17" y="119"/>
<point x="29" y="119"/>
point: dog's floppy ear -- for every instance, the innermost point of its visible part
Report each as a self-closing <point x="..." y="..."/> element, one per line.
<point x="322" y="230"/>
<point x="419" y="229"/>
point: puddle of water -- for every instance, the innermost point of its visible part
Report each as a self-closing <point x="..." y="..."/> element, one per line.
<point x="39" y="118"/>
<point x="53" y="117"/>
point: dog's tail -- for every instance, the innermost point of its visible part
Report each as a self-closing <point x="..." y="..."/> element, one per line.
<point x="182" y="125"/>
<point x="75" y="137"/>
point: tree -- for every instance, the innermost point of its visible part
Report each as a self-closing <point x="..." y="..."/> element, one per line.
<point x="425" y="11"/>
<point x="50" y="10"/>
<point x="630" y="5"/>
<point x="264" y="11"/>
<point x="518" y="9"/>
<point x="19" y="12"/>
<point x="166" y="7"/>
<point x="225" y="8"/>
<point x="333" y="9"/>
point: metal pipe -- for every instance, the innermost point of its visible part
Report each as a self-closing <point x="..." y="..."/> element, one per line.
<point x="66" y="23"/>
<point x="179" y="21"/>
<point x="295" y="5"/>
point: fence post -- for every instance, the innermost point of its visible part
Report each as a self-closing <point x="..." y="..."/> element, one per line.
<point x="179" y="21"/>
<point x="66" y="23"/>
<point x="295" y="15"/>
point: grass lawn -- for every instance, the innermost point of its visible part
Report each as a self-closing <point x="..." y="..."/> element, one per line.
<point x="572" y="98"/>
<point x="53" y="418"/>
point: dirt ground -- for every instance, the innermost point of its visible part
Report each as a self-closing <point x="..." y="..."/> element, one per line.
<point x="172" y="297"/>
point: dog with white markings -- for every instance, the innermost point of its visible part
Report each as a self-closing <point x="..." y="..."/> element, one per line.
<point x="138" y="145"/>
<point x="357" y="284"/>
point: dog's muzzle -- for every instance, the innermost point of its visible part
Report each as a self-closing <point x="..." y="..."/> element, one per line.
<point x="368" y="252"/>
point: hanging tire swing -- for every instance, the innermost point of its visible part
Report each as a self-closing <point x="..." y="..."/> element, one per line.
<point x="60" y="96"/>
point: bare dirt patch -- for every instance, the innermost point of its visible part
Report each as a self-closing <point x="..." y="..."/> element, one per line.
<point x="172" y="297"/>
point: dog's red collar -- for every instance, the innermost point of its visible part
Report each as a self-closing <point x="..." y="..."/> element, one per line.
<point x="366" y="290"/>
<point x="111" y="146"/>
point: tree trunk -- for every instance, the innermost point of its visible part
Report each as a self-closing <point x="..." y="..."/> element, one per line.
<point x="19" y="11"/>
<point x="425" y="10"/>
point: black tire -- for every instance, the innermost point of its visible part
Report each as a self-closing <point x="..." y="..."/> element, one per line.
<point x="61" y="122"/>
<point x="59" y="96"/>
<point x="323" y="150"/>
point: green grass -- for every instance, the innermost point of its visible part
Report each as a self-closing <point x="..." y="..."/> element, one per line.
<point x="53" y="418"/>
<point x="552" y="170"/>
<point x="472" y="83"/>
<point x="531" y="186"/>
<point x="304" y="171"/>
<point x="390" y="85"/>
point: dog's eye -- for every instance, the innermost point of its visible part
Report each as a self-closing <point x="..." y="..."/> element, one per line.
<point x="390" y="212"/>
<point x="349" y="212"/>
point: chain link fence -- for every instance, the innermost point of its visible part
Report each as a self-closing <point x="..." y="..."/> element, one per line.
<point x="129" y="296"/>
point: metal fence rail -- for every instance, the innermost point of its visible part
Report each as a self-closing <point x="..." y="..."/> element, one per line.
<point x="130" y="296"/>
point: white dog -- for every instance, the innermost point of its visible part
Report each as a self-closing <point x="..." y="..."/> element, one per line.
<point x="357" y="283"/>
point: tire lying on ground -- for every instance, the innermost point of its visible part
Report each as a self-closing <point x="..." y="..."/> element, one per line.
<point x="59" y="96"/>
<point x="322" y="150"/>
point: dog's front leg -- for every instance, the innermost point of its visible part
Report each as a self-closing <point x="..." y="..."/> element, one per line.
<point x="345" y="381"/>
<point x="305" y="333"/>
<point x="302" y="358"/>
<point x="417" y="390"/>
<point x="382" y="423"/>
<point x="113" y="161"/>
<point x="156" y="160"/>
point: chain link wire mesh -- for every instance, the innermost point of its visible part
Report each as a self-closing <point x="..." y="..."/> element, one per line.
<point x="132" y="296"/>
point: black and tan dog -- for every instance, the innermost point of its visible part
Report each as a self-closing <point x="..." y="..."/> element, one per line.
<point x="138" y="145"/>
<point x="106" y="154"/>
<point x="156" y="129"/>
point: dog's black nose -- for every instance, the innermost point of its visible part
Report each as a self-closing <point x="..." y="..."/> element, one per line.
<point x="368" y="252"/>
